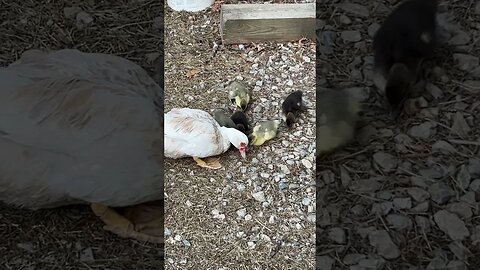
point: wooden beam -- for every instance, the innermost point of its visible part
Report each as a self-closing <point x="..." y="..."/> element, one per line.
<point x="245" y="23"/>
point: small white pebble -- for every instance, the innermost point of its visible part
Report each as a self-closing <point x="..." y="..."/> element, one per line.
<point x="241" y="212"/>
<point x="248" y="217"/>
<point x="307" y="163"/>
<point x="259" y="196"/>
<point x="290" y="83"/>
<point x="271" y="220"/>
<point x="306" y="201"/>
<point x="311" y="218"/>
<point x="177" y="237"/>
<point x="188" y="203"/>
<point x="240" y="187"/>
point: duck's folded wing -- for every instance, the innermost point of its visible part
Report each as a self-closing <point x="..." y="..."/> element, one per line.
<point x="191" y="132"/>
<point x="92" y="133"/>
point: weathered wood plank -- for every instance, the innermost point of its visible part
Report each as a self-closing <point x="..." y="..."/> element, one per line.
<point x="244" y="23"/>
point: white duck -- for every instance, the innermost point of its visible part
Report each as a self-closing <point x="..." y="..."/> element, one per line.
<point x="195" y="133"/>
<point x="81" y="128"/>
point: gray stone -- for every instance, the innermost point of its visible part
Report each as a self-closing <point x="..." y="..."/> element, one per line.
<point x="474" y="166"/>
<point x="460" y="38"/>
<point x="355" y="9"/>
<point x="71" y="12"/>
<point x="337" y="235"/>
<point x="402" y="203"/>
<point x="386" y="161"/>
<point x="344" y="19"/>
<point x="433" y="90"/>
<point x="86" y="255"/>
<point x="418" y="194"/>
<point x="383" y="244"/>
<point x="325" y="262"/>
<point x="466" y="62"/>
<point x="460" y="125"/>
<point x="372" y="29"/>
<point x="459" y="250"/>
<point x="358" y="210"/>
<point x="463" y="178"/>
<point x="444" y="147"/>
<point x="475" y="185"/>
<point x="475" y="235"/>
<point x="372" y="263"/>
<point x="451" y="224"/>
<point x="468" y="198"/>
<point x="365" y="231"/>
<point x="422" y="182"/>
<point x="440" y="192"/>
<point x="353" y="258"/>
<point x="365" y="185"/>
<point x="456" y="265"/>
<point x="421" y="207"/>
<point x="423" y="223"/>
<point x="382" y="208"/>
<point x="351" y="36"/>
<point x="83" y="19"/>
<point x="328" y="38"/>
<point x="422" y="131"/>
<point x="437" y="263"/>
<point x="461" y="209"/>
<point x="399" y="221"/>
<point x="384" y="195"/>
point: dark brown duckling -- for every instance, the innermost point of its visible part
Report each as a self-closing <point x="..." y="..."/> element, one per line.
<point x="404" y="40"/>
<point x="291" y="106"/>
<point x="241" y="121"/>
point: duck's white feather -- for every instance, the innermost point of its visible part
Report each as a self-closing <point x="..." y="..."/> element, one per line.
<point x="193" y="133"/>
<point x="79" y="127"/>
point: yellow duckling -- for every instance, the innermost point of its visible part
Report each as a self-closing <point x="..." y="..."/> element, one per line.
<point x="337" y="112"/>
<point x="239" y="94"/>
<point x="264" y="131"/>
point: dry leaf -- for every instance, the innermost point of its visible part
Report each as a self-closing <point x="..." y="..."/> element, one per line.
<point x="192" y="72"/>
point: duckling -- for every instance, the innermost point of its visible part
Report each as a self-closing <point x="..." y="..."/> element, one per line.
<point x="241" y="121"/>
<point x="337" y="113"/>
<point x="400" y="45"/>
<point x="291" y="106"/>
<point x="223" y="120"/>
<point x="264" y="131"/>
<point x="239" y="94"/>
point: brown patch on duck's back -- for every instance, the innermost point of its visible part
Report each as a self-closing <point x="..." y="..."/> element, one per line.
<point x="185" y="126"/>
<point x="76" y="100"/>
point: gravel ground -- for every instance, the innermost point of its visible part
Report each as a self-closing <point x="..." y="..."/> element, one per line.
<point x="72" y="237"/>
<point x="401" y="196"/>
<point x="257" y="213"/>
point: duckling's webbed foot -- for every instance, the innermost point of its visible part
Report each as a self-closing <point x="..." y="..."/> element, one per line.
<point x="148" y="231"/>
